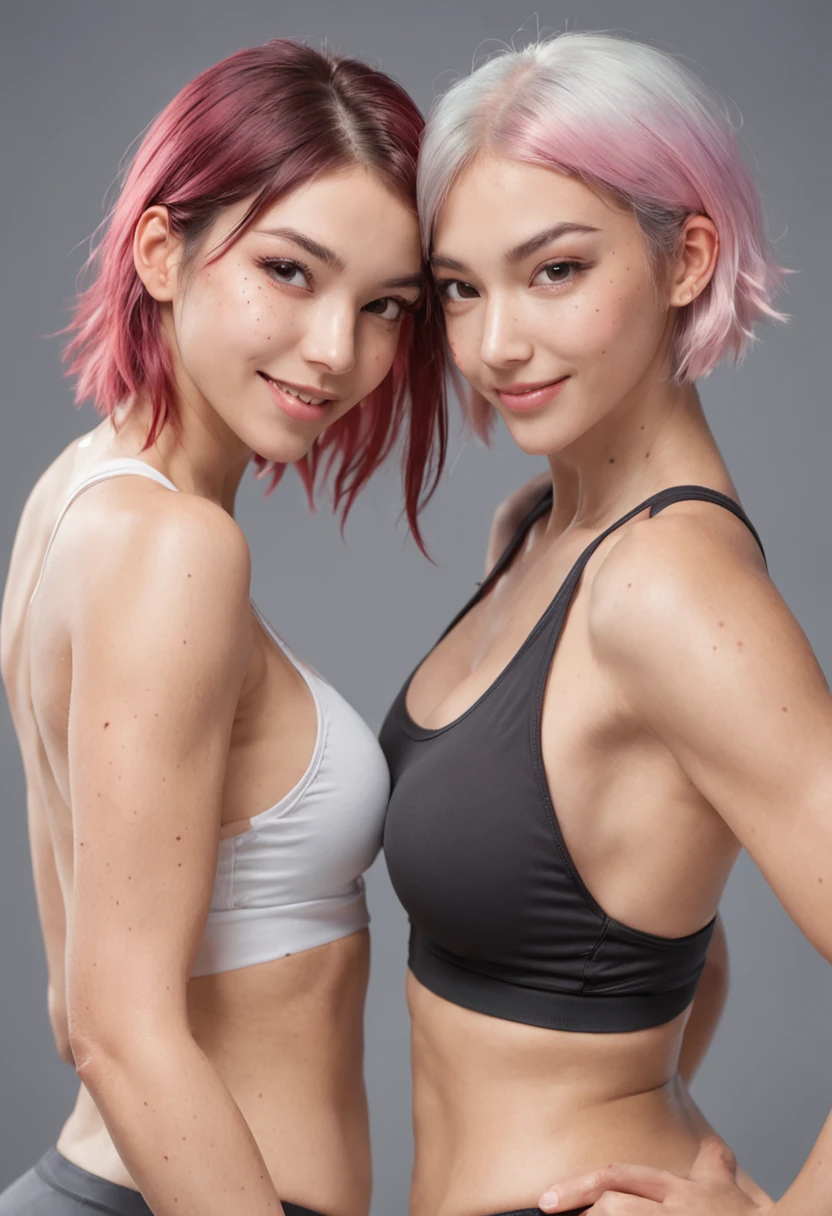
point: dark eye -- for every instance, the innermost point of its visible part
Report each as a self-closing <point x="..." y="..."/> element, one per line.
<point x="286" y="271"/>
<point x="555" y="273"/>
<point x="455" y="290"/>
<point x="388" y="308"/>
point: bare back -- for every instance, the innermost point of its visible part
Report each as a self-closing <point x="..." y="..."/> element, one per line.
<point x="285" y="1036"/>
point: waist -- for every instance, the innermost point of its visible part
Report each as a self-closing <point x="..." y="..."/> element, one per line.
<point x="501" y="1109"/>
<point x="286" y="1039"/>
<point x="457" y="1047"/>
<point x="497" y="1148"/>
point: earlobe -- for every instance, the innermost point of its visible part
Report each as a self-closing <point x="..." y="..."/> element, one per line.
<point x="698" y="255"/>
<point x="156" y="252"/>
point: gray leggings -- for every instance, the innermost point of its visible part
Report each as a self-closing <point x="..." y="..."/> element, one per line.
<point x="56" y="1187"/>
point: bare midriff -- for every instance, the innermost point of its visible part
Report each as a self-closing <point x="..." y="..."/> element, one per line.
<point x="503" y="1110"/>
<point x="286" y="1038"/>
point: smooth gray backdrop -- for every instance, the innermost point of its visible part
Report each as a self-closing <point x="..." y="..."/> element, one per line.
<point x="78" y="81"/>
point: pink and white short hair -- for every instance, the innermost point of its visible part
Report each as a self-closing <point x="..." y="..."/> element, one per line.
<point x="633" y="123"/>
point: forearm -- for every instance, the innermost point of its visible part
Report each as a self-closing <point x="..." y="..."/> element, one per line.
<point x="812" y="1189"/>
<point x="178" y="1130"/>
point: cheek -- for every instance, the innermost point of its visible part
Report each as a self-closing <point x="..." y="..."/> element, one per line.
<point x="464" y="342"/>
<point x="614" y="319"/>
<point x="376" y="351"/>
<point x="229" y="312"/>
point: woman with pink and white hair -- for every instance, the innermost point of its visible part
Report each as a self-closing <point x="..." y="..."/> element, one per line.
<point x="202" y="805"/>
<point x="626" y="700"/>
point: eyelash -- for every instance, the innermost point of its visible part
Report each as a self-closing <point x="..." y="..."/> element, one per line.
<point x="270" y="265"/>
<point x="576" y="267"/>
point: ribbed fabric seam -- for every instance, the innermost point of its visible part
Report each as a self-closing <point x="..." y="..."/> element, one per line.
<point x="593" y="953"/>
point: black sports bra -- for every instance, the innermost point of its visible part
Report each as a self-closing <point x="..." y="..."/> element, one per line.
<point x="501" y="921"/>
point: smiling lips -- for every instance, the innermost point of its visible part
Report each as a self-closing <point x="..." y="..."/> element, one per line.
<point x="522" y="398"/>
<point x="300" y="403"/>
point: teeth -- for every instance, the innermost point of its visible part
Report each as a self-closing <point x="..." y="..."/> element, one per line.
<point x="293" y="392"/>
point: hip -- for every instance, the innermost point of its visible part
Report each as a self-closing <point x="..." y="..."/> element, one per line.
<point x="497" y="1157"/>
<point x="58" y="1187"/>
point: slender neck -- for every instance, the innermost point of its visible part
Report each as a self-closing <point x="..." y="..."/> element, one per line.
<point x="197" y="453"/>
<point x="651" y="440"/>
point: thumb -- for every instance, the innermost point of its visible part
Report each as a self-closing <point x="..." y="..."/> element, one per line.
<point x="714" y="1162"/>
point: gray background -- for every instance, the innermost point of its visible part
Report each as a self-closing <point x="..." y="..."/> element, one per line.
<point x="78" y="81"/>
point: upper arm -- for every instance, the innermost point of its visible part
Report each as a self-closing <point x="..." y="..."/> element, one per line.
<point x="710" y="658"/>
<point x="159" y="652"/>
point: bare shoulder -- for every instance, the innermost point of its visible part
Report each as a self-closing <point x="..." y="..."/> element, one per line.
<point x="133" y="539"/>
<point x="673" y="579"/>
<point x="511" y="513"/>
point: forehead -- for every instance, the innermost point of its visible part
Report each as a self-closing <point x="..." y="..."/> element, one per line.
<point x="511" y="200"/>
<point x="352" y="212"/>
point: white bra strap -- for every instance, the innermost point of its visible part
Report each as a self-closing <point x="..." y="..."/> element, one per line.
<point x="122" y="467"/>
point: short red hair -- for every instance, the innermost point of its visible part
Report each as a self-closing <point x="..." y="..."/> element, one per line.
<point x="258" y="125"/>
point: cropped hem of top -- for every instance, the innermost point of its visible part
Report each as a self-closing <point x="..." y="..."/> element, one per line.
<point x="501" y="920"/>
<point x="293" y="880"/>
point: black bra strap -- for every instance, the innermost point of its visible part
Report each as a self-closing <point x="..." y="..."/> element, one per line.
<point x="703" y="494"/>
<point x="657" y="502"/>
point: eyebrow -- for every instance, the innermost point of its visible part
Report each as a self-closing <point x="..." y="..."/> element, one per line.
<point x="327" y="256"/>
<point x="331" y="259"/>
<point x="524" y="249"/>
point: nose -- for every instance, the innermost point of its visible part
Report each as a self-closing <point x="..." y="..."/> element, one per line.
<point x="330" y="339"/>
<point x="504" y="339"/>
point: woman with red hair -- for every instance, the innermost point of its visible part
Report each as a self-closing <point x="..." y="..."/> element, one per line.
<point x="201" y="804"/>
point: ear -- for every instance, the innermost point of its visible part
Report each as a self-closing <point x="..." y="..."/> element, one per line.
<point x="156" y="253"/>
<point x="695" y="261"/>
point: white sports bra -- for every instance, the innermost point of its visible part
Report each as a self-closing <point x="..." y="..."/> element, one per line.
<point x="293" y="879"/>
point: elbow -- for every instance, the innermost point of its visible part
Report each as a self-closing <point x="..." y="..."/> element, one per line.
<point x="98" y="1038"/>
<point x="104" y="1043"/>
<point x="90" y="1056"/>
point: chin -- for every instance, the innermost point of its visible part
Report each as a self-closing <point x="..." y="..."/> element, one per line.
<point x="536" y="440"/>
<point x="285" y="453"/>
<point x="283" y="448"/>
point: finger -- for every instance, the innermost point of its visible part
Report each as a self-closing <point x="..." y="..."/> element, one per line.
<point x="582" y="1192"/>
<point x="714" y="1162"/>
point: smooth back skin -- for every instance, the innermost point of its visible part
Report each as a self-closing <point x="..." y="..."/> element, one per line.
<point x="652" y="804"/>
<point x="185" y="720"/>
<point x="78" y="82"/>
